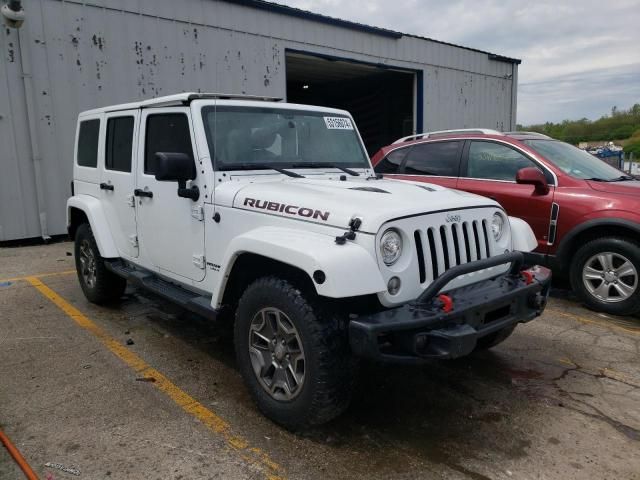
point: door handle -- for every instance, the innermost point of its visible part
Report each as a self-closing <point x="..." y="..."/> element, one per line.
<point x="106" y="186"/>
<point x="142" y="193"/>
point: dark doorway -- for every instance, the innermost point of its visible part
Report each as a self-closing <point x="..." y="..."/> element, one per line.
<point x="381" y="100"/>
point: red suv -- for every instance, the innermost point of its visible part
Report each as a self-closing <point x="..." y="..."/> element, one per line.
<point x="585" y="213"/>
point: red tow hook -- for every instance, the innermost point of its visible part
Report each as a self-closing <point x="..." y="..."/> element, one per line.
<point x="447" y="303"/>
<point x="528" y="276"/>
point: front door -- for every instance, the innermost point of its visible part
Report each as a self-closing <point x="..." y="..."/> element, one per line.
<point x="490" y="168"/>
<point x="117" y="180"/>
<point x="170" y="227"/>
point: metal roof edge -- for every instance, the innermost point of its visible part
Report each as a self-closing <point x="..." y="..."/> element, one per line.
<point x="307" y="15"/>
<point x="318" y="17"/>
<point x="501" y="58"/>
<point x="492" y="56"/>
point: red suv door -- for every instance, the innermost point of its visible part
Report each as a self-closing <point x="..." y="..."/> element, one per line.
<point x="489" y="168"/>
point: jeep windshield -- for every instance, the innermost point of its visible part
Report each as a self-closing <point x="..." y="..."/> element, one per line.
<point x="242" y="138"/>
<point x="575" y="162"/>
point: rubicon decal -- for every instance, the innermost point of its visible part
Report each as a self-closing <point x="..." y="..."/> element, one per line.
<point x="288" y="209"/>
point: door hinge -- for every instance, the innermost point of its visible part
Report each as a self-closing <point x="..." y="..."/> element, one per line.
<point x="197" y="212"/>
<point x="199" y="261"/>
<point x="131" y="200"/>
<point x="134" y="240"/>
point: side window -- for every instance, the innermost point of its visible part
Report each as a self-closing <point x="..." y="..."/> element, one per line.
<point x="493" y="161"/>
<point x="391" y="163"/>
<point x="438" y="158"/>
<point x="119" y="144"/>
<point x="166" y="132"/>
<point x="88" y="143"/>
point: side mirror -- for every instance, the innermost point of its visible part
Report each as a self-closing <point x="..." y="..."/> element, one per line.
<point x="533" y="176"/>
<point x="177" y="167"/>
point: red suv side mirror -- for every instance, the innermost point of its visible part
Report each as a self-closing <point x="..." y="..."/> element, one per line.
<point x="533" y="176"/>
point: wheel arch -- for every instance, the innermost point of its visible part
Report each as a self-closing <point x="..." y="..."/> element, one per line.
<point x="86" y="209"/>
<point x="248" y="267"/>
<point x="76" y="217"/>
<point x="312" y="259"/>
<point x="590" y="230"/>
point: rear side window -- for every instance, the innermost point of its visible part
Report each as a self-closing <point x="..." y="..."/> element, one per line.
<point x="391" y="163"/>
<point x="166" y="132"/>
<point x="439" y="159"/>
<point x="119" y="144"/>
<point x="88" y="143"/>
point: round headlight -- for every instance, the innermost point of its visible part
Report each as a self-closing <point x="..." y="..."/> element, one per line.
<point x="390" y="246"/>
<point x="497" y="225"/>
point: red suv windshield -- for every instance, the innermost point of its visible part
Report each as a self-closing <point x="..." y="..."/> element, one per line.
<point x="575" y="162"/>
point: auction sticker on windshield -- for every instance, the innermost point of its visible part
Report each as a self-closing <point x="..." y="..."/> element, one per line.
<point x="338" y="123"/>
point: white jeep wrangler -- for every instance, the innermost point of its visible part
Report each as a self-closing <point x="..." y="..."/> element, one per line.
<point x="272" y="212"/>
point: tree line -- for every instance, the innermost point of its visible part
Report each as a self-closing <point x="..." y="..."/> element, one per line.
<point x="619" y="125"/>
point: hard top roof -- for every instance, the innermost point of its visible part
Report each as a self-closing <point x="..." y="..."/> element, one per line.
<point x="185" y="98"/>
<point x="178" y="99"/>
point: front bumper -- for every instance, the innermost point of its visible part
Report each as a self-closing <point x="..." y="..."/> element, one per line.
<point x="427" y="328"/>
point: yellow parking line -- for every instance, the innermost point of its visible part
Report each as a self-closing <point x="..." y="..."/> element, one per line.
<point x="39" y="275"/>
<point x="621" y="377"/>
<point x="567" y="361"/>
<point x="581" y="319"/>
<point x="252" y="455"/>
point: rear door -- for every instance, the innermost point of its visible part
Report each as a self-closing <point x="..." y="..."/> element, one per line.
<point x="117" y="180"/>
<point x="489" y="169"/>
<point x="432" y="162"/>
<point x="171" y="228"/>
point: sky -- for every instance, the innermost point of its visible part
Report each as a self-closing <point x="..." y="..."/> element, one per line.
<point x="579" y="57"/>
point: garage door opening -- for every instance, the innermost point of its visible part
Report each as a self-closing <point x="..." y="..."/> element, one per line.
<point x="381" y="100"/>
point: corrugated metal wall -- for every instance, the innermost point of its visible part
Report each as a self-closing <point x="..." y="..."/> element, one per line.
<point x="81" y="55"/>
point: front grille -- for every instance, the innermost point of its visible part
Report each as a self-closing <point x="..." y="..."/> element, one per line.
<point x="439" y="249"/>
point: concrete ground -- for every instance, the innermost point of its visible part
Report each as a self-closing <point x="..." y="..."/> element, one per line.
<point x="146" y="391"/>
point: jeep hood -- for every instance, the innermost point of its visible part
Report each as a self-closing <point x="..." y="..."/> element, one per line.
<point x="334" y="203"/>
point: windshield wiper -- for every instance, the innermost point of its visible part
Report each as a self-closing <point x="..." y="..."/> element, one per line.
<point x="262" y="166"/>
<point x="288" y="173"/>
<point x="621" y="178"/>
<point x="326" y="165"/>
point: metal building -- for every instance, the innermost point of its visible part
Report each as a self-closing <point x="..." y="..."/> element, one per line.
<point x="72" y="55"/>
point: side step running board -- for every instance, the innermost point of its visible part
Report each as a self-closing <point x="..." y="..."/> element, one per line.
<point x="200" y="304"/>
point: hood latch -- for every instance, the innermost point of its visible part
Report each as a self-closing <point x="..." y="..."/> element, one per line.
<point x="354" y="226"/>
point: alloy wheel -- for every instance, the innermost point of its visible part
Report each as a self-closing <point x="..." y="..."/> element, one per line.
<point x="610" y="277"/>
<point x="87" y="264"/>
<point x="276" y="353"/>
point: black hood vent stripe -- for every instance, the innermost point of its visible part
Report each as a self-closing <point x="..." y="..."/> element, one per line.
<point x="369" y="189"/>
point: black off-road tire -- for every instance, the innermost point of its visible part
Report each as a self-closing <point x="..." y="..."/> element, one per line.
<point x="493" y="339"/>
<point x="107" y="287"/>
<point x="629" y="249"/>
<point x="329" y="365"/>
